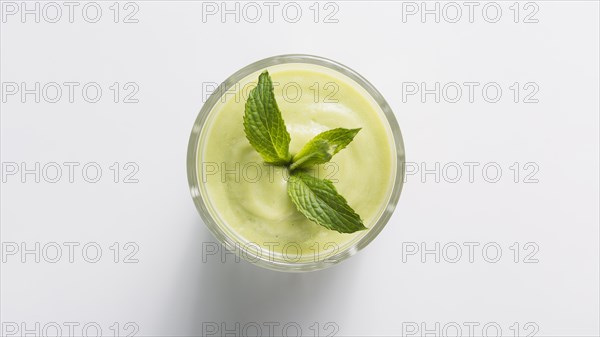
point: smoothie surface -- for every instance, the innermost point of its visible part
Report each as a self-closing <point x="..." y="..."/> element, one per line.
<point x="248" y="199"/>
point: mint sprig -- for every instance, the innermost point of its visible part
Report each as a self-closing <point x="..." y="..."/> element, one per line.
<point x="320" y="149"/>
<point x="263" y="124"/>
<point x="316" y="198"/>
<point x="320" y="202"/>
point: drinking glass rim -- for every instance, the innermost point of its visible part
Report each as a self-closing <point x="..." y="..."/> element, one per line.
<point x="192" y="161"/>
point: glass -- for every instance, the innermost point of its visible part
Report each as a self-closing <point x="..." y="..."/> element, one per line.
<point x="224" y="235"/>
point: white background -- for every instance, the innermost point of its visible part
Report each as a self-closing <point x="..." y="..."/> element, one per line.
<point x="175" y="286"/>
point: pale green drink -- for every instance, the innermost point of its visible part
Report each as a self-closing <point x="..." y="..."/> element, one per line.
<point x="248" y="199"/>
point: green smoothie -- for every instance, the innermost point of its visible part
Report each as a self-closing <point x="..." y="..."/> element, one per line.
<point x="248" y="199"/>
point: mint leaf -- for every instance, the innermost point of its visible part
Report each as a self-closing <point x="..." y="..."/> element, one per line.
<point x="319" y="201"/>
<point x="263" y="124"/>
<point x="320" y="149"/>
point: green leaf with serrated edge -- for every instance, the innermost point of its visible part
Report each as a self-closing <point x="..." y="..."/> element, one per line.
<point x="322" y="147"/>
<point x="320" y="202"/>
<point x="263" y="124"/>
